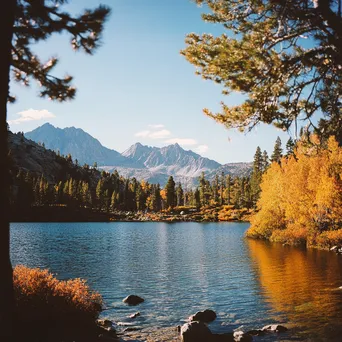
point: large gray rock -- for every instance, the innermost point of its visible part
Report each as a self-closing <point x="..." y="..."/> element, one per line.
<point x="133" y="300"/>
<point x="195" y="332"/>
<point x="240" y="336"/>
<point x="205" y="316"/>
<point x="274" y="328"/>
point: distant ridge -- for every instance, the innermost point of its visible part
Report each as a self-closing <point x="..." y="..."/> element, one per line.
<point x="81" y="145"/>
<point x="152" y="164"/>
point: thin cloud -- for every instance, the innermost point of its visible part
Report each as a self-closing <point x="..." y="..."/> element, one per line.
<point x="202" y="148"/>
<point x="32" y="115"/>
<point x="182" y="141"/>
<point x="156" y="126"/>
<point x="163" y="133"/>
<point x="160" y="134"/>
<point x="143" y="134"/>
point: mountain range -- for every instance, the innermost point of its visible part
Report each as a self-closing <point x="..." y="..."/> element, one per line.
<point x="152" y="164"/>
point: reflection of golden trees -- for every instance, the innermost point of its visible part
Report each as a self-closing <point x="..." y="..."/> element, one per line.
<point x="302" y="284"/>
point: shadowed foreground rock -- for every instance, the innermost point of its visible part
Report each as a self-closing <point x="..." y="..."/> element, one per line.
<point x="173" y="334"/>
<point x="199" y="332"/>
<point x="195" y="331"/>
<point x="205" y="316"/>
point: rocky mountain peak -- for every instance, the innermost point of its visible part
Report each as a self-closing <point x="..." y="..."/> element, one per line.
<point x="140" y="161"/>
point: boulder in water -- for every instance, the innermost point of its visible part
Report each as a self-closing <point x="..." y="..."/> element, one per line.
<point x="133" y="300"/>
<point x="274" y="328"/>
<point x="135" y="315"/>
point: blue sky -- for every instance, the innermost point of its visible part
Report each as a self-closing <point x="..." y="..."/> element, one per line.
<point x="137" y="86"/>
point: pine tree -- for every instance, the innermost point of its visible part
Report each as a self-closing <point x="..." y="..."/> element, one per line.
<point x="179" y="195"/>
<point x="66" y="192"/>
<point x="158" y="198"/>
<point x="154" y="200"/>
<point x="114" y="202"/>
<point x="248" y="200"/>
<point x="72" y="191"/>
<point x="258" y="166"/>
<point x="205" y="190"/>
<point x="197" y="198"/>
<point x="140" y="198"/>
<point x="43" y="190"/>
<point x="106" y="200"/>
<point x="215" y="190"/>
<point x="290" y="145"/>
<point x="277" y="151"/>
<point x="222" y="188"/>
<point x="236" y="193"/>
<point x="228" y="189"/>
<point x="99" y="193"/>
<point x="170" y="193"/>
<point x="265" y="161"/>
<point x="202" y="189"/>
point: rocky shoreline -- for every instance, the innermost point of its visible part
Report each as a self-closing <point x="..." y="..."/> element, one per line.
<point x="211" y="214"/>
<point x="78" y="214"/>
<point x="194" y="330"/>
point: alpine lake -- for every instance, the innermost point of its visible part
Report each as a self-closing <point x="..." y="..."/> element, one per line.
<point x="182" y="268"/>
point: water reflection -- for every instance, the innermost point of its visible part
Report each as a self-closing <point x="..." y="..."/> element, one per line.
<point x="185" y="267"/>
<point x="302" y="286"/>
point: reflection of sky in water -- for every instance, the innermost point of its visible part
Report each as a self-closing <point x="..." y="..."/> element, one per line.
<point x="180" y="268"/>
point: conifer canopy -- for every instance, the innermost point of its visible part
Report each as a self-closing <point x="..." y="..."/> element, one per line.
<point x="285" y="56"/>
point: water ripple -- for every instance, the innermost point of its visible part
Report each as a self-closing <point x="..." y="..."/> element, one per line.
<point x="185" y="267"/>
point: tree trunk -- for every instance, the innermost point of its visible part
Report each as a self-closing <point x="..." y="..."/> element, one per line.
<point x="6" y="282"/>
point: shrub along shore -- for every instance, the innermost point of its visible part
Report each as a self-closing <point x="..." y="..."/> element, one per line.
<point x="48" y="309"/>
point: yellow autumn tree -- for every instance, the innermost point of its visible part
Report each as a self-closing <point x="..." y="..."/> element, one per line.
<point x="271" y="214"/>
<point x="301" y="199"/>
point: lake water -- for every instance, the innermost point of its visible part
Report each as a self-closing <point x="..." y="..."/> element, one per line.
<point x="181" y="268"/>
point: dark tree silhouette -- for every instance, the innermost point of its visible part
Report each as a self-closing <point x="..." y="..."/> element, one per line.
<point x="23" y="22"/>
<point x="6" y="283"/>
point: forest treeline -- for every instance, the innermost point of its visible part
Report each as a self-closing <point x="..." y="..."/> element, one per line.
<point x="87" y="187"/>
<point x="301" y="197"/>
<point x="295" y="195"/>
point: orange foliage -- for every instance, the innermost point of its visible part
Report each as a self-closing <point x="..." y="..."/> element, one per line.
<point x="163" y="194"/>
<point x="329" y="238"/>
<point x="40" y="296"/>
<point x="301" y="198"/>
